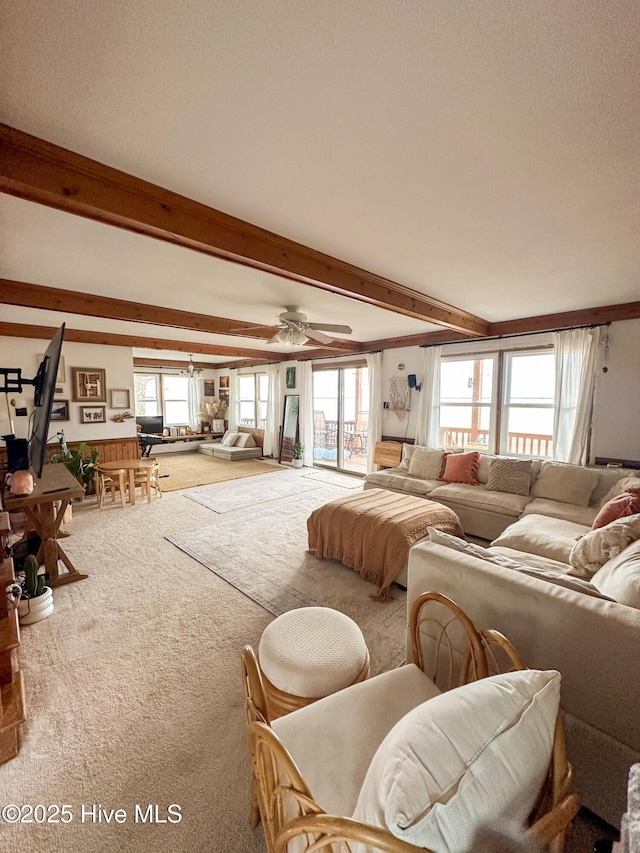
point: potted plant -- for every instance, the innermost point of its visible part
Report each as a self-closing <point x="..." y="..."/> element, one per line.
<point x="297" y="450"/>
<point x="82" y="463"/>
<point x="36" y="601"/>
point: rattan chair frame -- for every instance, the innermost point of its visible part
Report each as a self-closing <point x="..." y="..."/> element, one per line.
<point x="282" y="799"/>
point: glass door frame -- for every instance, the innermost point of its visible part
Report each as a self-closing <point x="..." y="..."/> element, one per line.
<point x="340" y="421"/>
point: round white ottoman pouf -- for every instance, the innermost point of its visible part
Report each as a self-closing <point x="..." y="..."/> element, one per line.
<point x="309" y="653"/>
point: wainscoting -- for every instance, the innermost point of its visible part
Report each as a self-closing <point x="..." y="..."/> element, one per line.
<point x="110" y="449"/>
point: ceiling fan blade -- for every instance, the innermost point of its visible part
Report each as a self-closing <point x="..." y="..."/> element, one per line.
<point x="329" y="327"/>
<point x="315" y="335"/>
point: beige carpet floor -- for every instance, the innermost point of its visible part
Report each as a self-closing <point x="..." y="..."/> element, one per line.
<point x="186" y="470"/>
<point x="134" y="697"/>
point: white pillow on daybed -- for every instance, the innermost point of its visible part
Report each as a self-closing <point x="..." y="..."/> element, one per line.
<point x="476" y="755"/>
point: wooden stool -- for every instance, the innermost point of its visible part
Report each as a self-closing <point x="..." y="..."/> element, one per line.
<point x="309" y="653"/>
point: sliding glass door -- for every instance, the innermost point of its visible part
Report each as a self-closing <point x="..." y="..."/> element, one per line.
<point x="341" y="418"/>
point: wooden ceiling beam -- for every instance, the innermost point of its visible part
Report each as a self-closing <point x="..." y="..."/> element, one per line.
<point x="27" y="295"/>
<point x="25" y="330"/>
<point x="39" y="171"/>
<point x="567" y="319"/>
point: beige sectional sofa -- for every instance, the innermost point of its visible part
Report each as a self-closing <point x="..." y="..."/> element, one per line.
<point x="557" y="490"/>
<point x="557" y="622"/>
<point x="589" y="630"/>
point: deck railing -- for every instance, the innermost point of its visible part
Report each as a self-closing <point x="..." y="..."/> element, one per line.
<point x="521" y="443"/>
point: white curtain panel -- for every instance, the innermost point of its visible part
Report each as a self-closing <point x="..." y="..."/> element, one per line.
<point x="234" y="399"/>
<point x="304" y="381"/>
<point x="428" y="428"/>
<point x="195" y="393"/>
<point x="270" y="445"/>
<point x="575" y="351"/>
<point x="374" y="432"/>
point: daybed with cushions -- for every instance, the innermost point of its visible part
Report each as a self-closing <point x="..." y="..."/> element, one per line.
<point x="585" y="624"/>
<point x="232" y="446"/>
<point x="488" y="493"/>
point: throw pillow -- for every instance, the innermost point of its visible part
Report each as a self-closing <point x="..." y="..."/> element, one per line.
<point x="620" y="577"/>
<point x="426" y="464"/>
<point x="625" y="504"/>
<point x="569" y="484"/>
<point x="407" y="452"/>
<point x="229" y="439"/>
<point x="461" y="468"/>
<point x="471" y="756"/>
<point x="596" y="547"/>
<point x="512" y="476"/>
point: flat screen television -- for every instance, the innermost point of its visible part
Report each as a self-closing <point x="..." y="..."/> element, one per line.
<point x="150" y="424"/>
<point x="44" y="388"/>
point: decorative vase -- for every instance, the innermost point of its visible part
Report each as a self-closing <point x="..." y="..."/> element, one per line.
<point x="297" y="463"/>
<point x="32" y="610"/>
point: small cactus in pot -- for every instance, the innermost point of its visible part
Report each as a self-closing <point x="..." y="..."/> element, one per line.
<point x="36" y="602"/>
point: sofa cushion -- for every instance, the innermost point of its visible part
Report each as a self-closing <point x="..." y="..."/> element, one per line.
<point x="625" y="504"/>
<point x="426" y="463"/>
<point x="570" y="484"/>
<point x="479" y="498"/>
<point x="474" y="755"/>
<point x="334" y="761"/>
<point x="509" y="475"/>
<point x="536" y="534"/>
<point x="611" y="482"/>
<point x="558" y="509"/>
<point x="245" y="439"/>
<point x="596" y="547"/>
<point x="536" y="567"/>
<point x="620" y="577"/>
<point x="461" y="468"/>
<point x="400" y="480"/>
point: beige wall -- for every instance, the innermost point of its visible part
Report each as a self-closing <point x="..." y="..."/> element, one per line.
<point x="116" y="361"/>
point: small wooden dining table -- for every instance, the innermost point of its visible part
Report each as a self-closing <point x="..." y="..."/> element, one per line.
<point x="130" y="466"/>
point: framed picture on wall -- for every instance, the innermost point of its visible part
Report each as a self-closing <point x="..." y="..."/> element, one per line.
<point x="209" y="388"/>
<point x="60" y="410"/>
<point x="93" y="415"/>
<point x="120" y="398"/>
<point x="89" y="385"/>
<point x="290" y="377"/>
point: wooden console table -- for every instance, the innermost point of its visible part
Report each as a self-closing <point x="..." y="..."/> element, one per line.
<point x="11" y="684"/>
<point x="56" y="484"/>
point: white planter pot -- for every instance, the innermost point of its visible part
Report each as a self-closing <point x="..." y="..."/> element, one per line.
<point x="32" y="610"/>
<point x="297" y="463"/>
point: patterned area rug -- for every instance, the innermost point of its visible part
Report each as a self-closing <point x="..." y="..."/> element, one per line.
<point x="263" y="553"/>
<point x="227" y="497"/>
<point x="186" y="470"/>
<point x="334" y="478"/>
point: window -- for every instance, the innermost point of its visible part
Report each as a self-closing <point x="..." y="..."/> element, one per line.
<point x="519" y="422"/>
<point x="175" y="396"/>
<point x="167" y="395"/>
<point x="467" y="403"/>
<point x="147" y="389"/>
<point x="527" y="412"/>
<point x="253" y="391"/>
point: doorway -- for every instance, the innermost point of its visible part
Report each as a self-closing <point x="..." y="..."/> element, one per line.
<point x="341" y="418"/>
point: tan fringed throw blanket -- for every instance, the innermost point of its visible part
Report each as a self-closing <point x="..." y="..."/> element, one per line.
<point x="372" y="531"/>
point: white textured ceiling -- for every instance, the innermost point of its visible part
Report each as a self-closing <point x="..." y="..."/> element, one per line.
<point x="485" y="153"/>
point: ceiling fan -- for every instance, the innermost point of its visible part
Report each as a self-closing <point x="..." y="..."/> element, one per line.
<point x="296" y="330"/>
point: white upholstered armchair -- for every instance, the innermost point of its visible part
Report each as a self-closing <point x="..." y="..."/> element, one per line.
<point x="408" y="760"/>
